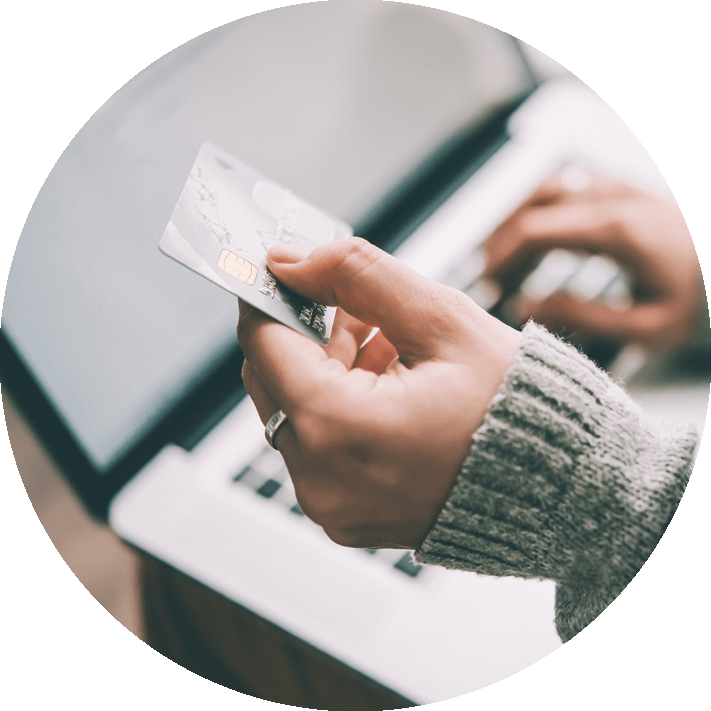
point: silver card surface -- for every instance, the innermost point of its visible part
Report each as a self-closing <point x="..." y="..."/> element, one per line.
<point x="228" y="216"/>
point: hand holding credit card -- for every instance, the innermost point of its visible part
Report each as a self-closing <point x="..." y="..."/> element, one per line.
<point x="228" y="216"/>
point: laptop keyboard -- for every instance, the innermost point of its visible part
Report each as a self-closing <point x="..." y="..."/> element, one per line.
<point x="268" y="478"/>
<point x="588" y="277"/>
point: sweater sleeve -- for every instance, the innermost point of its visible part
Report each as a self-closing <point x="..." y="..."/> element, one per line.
<point x="566" y="480"/>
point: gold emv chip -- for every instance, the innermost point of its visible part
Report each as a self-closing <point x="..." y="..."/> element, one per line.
<point x="237" y="266"/>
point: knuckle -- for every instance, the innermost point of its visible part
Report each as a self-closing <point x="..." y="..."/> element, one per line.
<point x="356" y="254"/>
<point x="616" y="217"/>
<point x="356" y="246"/>
<point x="339" y="260"/>
<point x="451" y="309"/>
<point x="458" y="301"/>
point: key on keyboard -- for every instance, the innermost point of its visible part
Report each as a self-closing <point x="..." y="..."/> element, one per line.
<point x="267" y="476"/>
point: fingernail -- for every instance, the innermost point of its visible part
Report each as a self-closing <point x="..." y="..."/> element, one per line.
<point x="288" y="253"/>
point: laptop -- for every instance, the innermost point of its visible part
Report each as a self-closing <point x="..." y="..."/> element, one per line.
<point x="422" y="130"/>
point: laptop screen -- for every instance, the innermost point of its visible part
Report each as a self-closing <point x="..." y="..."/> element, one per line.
<point x="337" y="101"/>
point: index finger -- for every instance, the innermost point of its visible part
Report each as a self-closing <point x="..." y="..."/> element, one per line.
<point x="556" y="190"/>
<point x="575" y="225"/>
<point x="290" y="365"/>
<point x="572" y="181"/>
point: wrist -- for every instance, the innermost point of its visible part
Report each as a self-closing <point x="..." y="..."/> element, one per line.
<point x="557" y="476"/>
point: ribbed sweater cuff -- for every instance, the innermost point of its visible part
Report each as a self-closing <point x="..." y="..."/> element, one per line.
<point x="566" y="479"/>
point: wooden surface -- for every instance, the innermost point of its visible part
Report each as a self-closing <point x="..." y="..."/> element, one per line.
<point x="104" y="565"/>
<point x="178" y="617"/>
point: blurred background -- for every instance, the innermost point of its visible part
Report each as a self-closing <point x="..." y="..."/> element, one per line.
<point x="102" y="564"/>
<point x="106" y="567"/>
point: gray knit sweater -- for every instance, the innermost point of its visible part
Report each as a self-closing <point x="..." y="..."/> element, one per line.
<point x="566" y="480"/>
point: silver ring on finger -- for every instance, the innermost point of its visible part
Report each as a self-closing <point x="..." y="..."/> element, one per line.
<point x="274" y="423"/>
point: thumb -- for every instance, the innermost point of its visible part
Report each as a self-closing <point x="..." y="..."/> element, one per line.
<point x="419" y="317"/>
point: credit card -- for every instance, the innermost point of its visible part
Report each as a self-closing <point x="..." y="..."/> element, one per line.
<point x="228" y="216"/>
